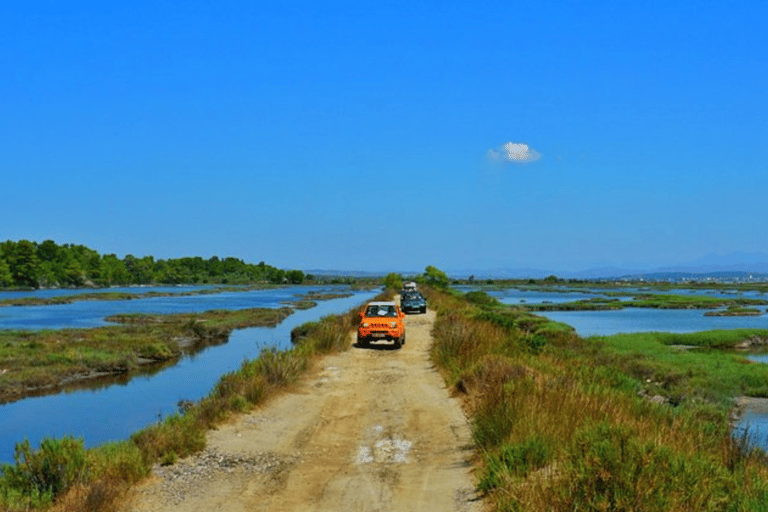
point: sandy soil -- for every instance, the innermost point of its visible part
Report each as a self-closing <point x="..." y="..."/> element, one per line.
<point x="370" y="430"/>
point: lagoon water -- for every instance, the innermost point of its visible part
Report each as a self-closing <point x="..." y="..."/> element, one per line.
<point x="514" y="296"/>
<point x="91" y="313"/>
<point x="67" y="292"/>
<point x="606" y="323"/>
<point x="115" y="411"/>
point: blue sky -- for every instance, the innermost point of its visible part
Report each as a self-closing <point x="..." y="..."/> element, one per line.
<point x="364" y="136"/>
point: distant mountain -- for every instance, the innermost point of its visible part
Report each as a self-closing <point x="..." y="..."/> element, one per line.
<point x="732" y="262"/>
<point x="723" y="276"/>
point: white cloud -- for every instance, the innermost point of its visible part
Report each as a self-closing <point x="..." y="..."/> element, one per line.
<point x="514" y="152"/>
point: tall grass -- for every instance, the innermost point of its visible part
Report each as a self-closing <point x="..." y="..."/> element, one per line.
<point x="567" y="424"/>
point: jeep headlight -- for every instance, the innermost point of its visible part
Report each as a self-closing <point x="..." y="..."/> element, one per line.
<point x="393" y="324"/>
<point x="364" y="324"/>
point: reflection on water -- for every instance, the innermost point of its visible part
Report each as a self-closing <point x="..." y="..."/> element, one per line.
<point x="754" y="419"/>
<point x="116" y="411"/>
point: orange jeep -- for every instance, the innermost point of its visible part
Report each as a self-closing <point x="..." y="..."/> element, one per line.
<point x="381" y="321"/>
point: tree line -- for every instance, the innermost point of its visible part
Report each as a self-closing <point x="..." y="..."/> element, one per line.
<point x="26" y="264"/>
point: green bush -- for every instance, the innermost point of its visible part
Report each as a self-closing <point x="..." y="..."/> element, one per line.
<point x="42" y="475"/>
<point x="119" y="462"/>
<point x="516" y="459"/>
<point x="181" y="435"/>
<point x="480" y="298"/>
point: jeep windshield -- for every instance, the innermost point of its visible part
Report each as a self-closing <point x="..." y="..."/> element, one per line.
<point x="387" y="311"/>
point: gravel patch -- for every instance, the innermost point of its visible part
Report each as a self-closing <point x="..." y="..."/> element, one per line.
<point x="182" y="479"/>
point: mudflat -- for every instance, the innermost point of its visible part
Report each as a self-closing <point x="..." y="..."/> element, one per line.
<point x="369" y="429"/>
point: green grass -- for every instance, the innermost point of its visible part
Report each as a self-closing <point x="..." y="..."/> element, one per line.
<point x="664" y="364"/>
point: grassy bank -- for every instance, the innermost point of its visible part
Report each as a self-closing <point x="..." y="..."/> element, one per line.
<point x="34" y="362"/>
<point x="62" y="476"/>
<point x="564" y="423"/>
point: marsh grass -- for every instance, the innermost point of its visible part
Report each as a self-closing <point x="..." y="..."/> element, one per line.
<point x="570" y="425"/>
<point x="665" y="364"/>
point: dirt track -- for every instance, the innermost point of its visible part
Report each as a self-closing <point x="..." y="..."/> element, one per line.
<point x="370" y="430"/>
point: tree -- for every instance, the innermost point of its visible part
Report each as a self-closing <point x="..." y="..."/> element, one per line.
<point x="6" y="278"/>
<point x="75" y="275"/>
<point x="295" y="276"/>
<point x="140" y="270"/>
<point x="276" y="275"/>
<point x="394" y="281"/>
<point x="24" y="264"/>
<point x="435" y="277"/>
<point x="47" y="251"/>
<point x="113" y="270"/>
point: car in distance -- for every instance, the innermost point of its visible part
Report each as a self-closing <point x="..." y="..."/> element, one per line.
<point x="381" y="321"/>
<point x="413" y="302"/>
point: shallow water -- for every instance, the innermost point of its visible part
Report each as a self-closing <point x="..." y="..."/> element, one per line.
<point x="91" y="313"/>
<point x="67" y="292"/>
<point x="606" y="323"/>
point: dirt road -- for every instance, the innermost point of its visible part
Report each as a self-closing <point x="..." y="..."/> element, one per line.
<point x="371" y="430"/>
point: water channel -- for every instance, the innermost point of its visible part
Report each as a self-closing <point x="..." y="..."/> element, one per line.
<point x="111" y="412"/>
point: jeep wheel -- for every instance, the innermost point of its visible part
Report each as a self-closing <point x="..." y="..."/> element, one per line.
<point x="399" y="342"/>
<point x="362" y="342"/>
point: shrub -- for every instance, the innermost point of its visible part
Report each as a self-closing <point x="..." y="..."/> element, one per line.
<point x="99" y="496"/>
<point x="517" y="459"/>
<point x="181" y="435"/>
<point x="480" y="298"/>
<point x="42" y="475"/>
<point x="121" y="462"/>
